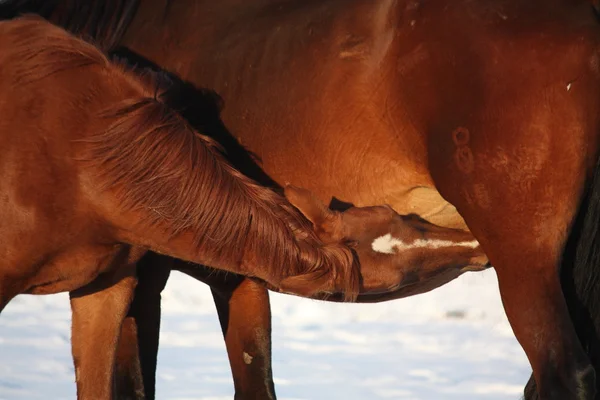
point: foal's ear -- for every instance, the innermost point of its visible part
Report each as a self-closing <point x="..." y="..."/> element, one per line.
<point x="308" y="204"/>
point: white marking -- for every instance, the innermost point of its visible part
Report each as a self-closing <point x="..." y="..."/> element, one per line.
<point x="247" y="358"/>
<point x="568" y="87"/>
<point x="388" y="244"/>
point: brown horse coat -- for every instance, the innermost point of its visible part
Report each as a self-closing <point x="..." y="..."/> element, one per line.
<point x="488" y="105"/>
<point x="97" y="170"/>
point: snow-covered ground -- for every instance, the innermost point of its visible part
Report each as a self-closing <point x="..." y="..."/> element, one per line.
<point x="453" y="343"/>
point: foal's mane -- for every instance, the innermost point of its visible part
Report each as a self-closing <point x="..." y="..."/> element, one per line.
<point x="158" y="163"/>
<point x="101" y="21"/>
<point x="174" y="178"/>
<point x="42" y="49"/>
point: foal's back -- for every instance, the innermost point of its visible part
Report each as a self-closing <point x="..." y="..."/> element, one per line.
<point x="52" y="86"/>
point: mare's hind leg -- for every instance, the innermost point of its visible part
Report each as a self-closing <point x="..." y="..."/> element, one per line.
<point x="138" y="346"/>
<point x="8" y="291"/>
<point x="99" y="309"/>
<point x="530" y="392"/>
<point x="245" y="316"/>
<point x="535" y="306"/>
<point x="523" y="226"/>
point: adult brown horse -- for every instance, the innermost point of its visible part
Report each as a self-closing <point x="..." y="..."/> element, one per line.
<point x="489" y="106"/>
<point x="98" y="170"/>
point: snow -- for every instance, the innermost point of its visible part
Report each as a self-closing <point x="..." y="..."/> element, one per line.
<point x="452" y="343"/>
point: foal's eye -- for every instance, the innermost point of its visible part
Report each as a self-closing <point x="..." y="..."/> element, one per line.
<point x="351" y="243"/>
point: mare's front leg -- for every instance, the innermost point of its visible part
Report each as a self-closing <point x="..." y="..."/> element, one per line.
<point x="138" y="346"/>
<point x="244" y="312"/>
<point x="99" y="309"/>
<point x="245" y="316"/>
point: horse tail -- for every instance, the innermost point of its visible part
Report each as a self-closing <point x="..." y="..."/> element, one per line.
<point x="580" y="275"/>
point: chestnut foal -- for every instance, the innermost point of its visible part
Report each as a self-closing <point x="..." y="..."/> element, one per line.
<point x="97" y="170"/>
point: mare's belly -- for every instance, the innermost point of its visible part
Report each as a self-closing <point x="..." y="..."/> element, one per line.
<point x="362" y="177"/>
<point x="429" y="204"/>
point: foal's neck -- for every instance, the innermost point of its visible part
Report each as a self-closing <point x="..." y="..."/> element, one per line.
<point x="170" y="190"/>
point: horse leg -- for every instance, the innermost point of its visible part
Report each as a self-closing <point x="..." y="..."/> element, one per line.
<point x="244" y="314"/>
<point x="99" y="309"/>
<point x="138" y="347"/>
<point x="537" y="311"/>
<point x="8" y="290"/>
<point x="530" y="391"/>
<point x="528" y="277"/>
<point x="529" y="282"/>
<point x="245" y="317"/>
<point x="523" y="230"/>
<point x="129" y="381"/>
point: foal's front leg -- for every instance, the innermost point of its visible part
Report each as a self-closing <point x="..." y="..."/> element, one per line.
<point x="99" y="309"/>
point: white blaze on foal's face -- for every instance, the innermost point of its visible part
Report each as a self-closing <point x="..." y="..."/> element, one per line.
<point x="387" y="244"/>
<point x="381" y="239"/>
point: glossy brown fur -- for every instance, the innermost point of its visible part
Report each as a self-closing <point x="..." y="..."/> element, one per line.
<point x="400" y="101"/>
<point x="428" y="256"/>
<point x="485" y="108"/>
<point x="141" y="155"/>
<point x="97" y="170"/>
<point x="139" y="178"/>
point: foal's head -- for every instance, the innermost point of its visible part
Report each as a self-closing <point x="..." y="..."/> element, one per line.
<point x="394" y="250"/>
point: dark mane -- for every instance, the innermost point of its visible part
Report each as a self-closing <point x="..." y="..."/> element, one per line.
<point x="101" y="22"/>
